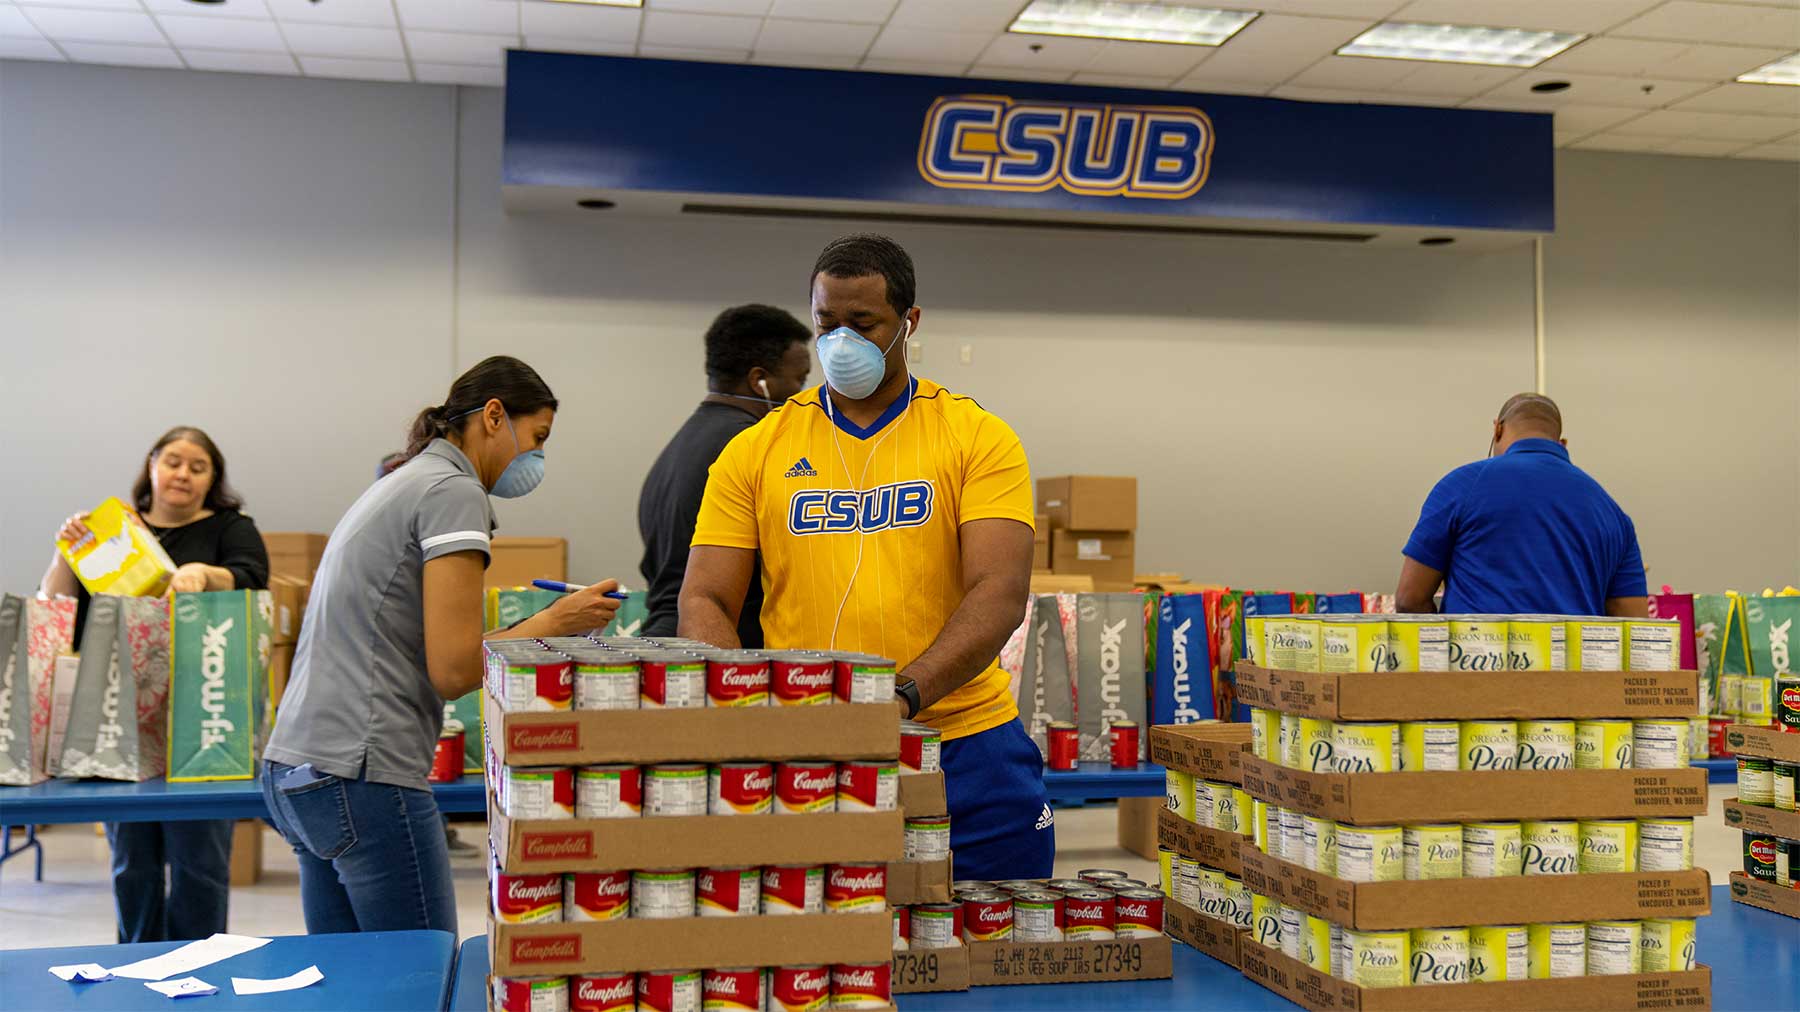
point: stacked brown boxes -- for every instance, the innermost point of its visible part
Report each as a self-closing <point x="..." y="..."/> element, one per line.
<point x="294" y="553"/>
<point x="1201" y="833"/>
<point x="1765" y="810"/>
<point x="1092" y="522"/>
<point x="515" y="562"/>
<point x="1370" y="880"/>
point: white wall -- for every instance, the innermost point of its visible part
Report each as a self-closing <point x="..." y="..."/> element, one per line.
<point x="280" y="251"/>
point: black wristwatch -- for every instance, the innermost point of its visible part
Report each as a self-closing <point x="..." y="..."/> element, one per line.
<point x="907" y="692"/>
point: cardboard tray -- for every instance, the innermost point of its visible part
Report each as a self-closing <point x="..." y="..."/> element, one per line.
<point x="1444" y="695"/>
<point x="1767" y="895"/>
<point x="1311" y="989"/>
<point x="694" y="841"/>
<point x="1752" y="739"/>
<point x="916" y="971"/>
<point x="711" y="734"/>
<point x="1208" y="751"/>
<point x="909" y="882"/>
<point x="1069" y="962"/>
<point x="1472" y="796"/>
<point x="1216" y="938"/>
<point x="1386" y="906"/>
<point x="1211" y="847"/>
<point x="923" y="794"/>
<point x="630" y="944"/>
<point x="1765" y="819"/>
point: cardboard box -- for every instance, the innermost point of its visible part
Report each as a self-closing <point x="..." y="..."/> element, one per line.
<point x="916" y="971"/>
<point x="1089" y="503"/>
<point x="1069" y="962"/>
<point x="1040" y="542"/>
<point x="1751" y="739"/>
<point x="1216" y="938"/>
<point x="290" y="594"/>
<point x="1311" y="989"/>
<point x="1137" y="825"/>
<point x="294" y="553"/>
<point x="711" y="734"/>
<point x="1528" y="899"/>
<point x="1214" y="848"/>
<point x="1061" y="583"/>
<point x="1378" y="799"/>
<point x="281" y="665"/>
<point x="515" y="562"/>
<point x="1208" y="751"/>
<point x="1444" y="695"/>
<point x="1765" y="819"/>
<point x="1766" y="895"/>
<point x="246" y="852"/>
<point x="1107" y="556"/>
<point x="634" y="944"/>
<point x="910" y="882"/>
<point x="923" y="794"/>
<point x="694" y="841"/>
<point x="118" y="555"/>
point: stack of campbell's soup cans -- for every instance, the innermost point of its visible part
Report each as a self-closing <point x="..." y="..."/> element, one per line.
<point x="1098" y="904"/>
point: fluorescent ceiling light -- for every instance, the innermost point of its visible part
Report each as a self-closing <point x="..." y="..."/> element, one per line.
<point x="1783" y="71"/>
<point x="1501" y="47"/>
<point x="1131" y="21"/>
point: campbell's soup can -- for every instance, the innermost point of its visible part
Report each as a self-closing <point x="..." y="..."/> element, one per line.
<point x="671" y="679"/>
<point x="539" y="792"/>
<point x="675" y="789"/>
<point x="987" y="917"/>
<point x="735" y="891"/>
<point x="447" y="760"/>
<point x="793" y="889"/>
<point x="596" y="895"/>
<point x="902" y="923"/>
<point x="1037" y="915"/>
<point x="734" y="989"/>
<point x="1093" y="875"/>
<point x="803" y="787"/>
<point x="1088" y="915"/>
<point x="531" y="994"/>
<point x="605" y="679"/>
<point x="668" y="991"/>
<point x="1124" y="745"/>
<point x="1138" y="913"/>
<point x="863" y="678"/>
<point x="1064" y="745"/>
<point x="1715" y="737"/>
<point x="927" y="839"/>
<point x="531" y="681"/>
<point x="799" y="988"/>
<point x="800" y="679"/>
<point x="737" y="678"/>
<point x="740" y="789"/>
<point x="856" y="889"/>
<point x="935" y="926"/>
<point x="525" y="899"/>
<point x="919" y="747"/>
<point x="662" y="893"/>
<point x="609" y="791"/>
<point x="861" y="985"/>
<point x="603" y="992"/>
<point x="867" y="785"/>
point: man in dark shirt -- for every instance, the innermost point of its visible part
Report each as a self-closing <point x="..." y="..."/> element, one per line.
<point x="756" y="357"/>
<point x="1524" y="532"/>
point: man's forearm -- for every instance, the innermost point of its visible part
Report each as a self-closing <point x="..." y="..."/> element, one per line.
<point x="972" y="638"/>
<point x="703" y="618"/>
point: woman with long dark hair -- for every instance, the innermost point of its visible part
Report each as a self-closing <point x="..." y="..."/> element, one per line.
<point x="393" y="630"/>
<point x="181" y="497"/>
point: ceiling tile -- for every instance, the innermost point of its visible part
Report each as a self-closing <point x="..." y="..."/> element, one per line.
<point x="360" y="70"/>
<point x="836" y="40"/>
<point x="61" y="23"/>
<point x="1596" y="89"/>
<point x="1354" y="72"/>
<point x="367" y="13"/>
<point x="224" y="33"/>
<point x="699" y="31"/>
<point x="459" y="47"/>
<point x="1787" y="150"/>
<point x="1564" y="138"/>
<point x="580" y="21"/>
<point x="1042" y="52"/>
<point x="957" y="15"/>
<point x="1274" y="48"/>
<point x="450" y="73"/>
<point x="871" y="12"/>
<point x="1220" y="87"/>
<point x="123" y="56"/>
<point x="922" y="67"/>
<point x="806" y="61"/>
<point x="1620" y="142"/>
<point x="1702" y="148"/>
<point x="344" y="41"/>
<point x="15" y="48"/>
<point x="1147" y="59"/>
<point x="240" y="62"/>
<point x="14" y="24"/>
<point x="689" y="53"/>
<point x="1544" y="15"/>
<point x="1018" y="74"/>
<point x="744" y="8"/>
<point x="1677" y="60"/>
<point x="564" y="44"/>
<point x="1767" y="99"/>
<point x="486" y="16"/>
<point x="1122" y="81"/>
<point x="114" y="5"/>
<point x="920" y="44"/>
<point x="1454" y="79"/>
<point x="1738" y="24"/>
<point x="1583" y="119"/>
<point x="1347" y="96"/>
<point x="1711" y="125"/>
<point x="1372" y="10"/>
<point x="213" y="9"/>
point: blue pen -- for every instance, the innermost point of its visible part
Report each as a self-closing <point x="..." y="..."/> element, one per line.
<point x="570" y="588"/>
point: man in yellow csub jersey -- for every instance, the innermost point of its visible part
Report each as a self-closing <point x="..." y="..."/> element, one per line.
<point x="893" y="518"/>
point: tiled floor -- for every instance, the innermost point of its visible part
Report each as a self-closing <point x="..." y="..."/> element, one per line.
<point x="73" y="905"/>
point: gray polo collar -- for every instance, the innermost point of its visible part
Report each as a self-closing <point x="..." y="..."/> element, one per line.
<point x="444" y="448"/>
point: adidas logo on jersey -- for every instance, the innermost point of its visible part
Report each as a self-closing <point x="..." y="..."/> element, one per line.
<point x="1046" y="819"/>
<point x="802" y="469"/>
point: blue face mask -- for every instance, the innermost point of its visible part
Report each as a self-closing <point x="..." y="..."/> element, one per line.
<point x="854" y="365"/>
<point x="522" y="475"/>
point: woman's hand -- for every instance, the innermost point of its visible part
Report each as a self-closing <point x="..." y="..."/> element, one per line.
<point x="189" y="579"/>
<point x="74" y="529"/>
<point x="584" y="610"/>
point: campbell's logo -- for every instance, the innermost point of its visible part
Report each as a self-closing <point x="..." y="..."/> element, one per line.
<point x="543" y="737"/>
<point x="809" y="679"/>
<point x="814" y="783"/>
<point x="605" y="886"/>
<point x="546" y="949"/>
<point x="1135" y="910"/>
<point x="756" y="782"/>
<point x="550" y="846"/>
<point x="743" y="678"/>
<point x="727" y="985"/>
<point x="861" y="980"/>
<point x="1086" y="912"/>
<point x="616" y="992"/>
<point x="527" y="893"/>
<point x="993" y="915"/>
<point x="865" y="882"/>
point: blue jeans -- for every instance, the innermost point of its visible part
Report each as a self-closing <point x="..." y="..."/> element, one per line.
<point x="372" y="856"/>
<point x="197" y="859"/>
<point x="1001" y="826"/>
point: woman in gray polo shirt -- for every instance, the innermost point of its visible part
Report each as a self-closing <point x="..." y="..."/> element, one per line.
<point x="392" y="630"/>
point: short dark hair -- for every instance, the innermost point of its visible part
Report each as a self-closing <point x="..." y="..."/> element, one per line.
<point x="862" y="255"/>
<point x="219" y="496"/>
<point x="744" y="337"/>
<point x="518" y="387"/>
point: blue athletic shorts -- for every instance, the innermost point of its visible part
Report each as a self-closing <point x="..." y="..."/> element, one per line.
<point x="1001" y="826"/>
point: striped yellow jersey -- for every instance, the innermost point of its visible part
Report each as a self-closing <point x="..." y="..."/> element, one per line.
<point x="859" y="528"/>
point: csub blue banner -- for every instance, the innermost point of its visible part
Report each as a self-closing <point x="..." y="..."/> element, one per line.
<point x="698" y="129"/>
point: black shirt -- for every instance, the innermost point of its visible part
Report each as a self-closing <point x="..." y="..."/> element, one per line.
<point x="227" y="539"/>
<point x="668" y="507"/>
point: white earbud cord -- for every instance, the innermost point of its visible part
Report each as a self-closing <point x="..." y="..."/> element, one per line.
<point x="861" y="535"/>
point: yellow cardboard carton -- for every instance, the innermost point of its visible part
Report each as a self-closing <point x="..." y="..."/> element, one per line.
<point x="119" y="555"/>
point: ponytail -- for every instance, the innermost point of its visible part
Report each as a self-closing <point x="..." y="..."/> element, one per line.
<point x="518" y="387"/>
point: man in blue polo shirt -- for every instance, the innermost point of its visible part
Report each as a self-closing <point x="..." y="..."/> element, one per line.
<point x="1523" y="532"/>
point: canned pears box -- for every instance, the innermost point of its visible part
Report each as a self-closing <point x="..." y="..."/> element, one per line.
<point x="1309" y="988"/>
<point x="1530" y="899"/>
<point x="923" y="794"/>
<point x="1212" y="751"/>
<point x="1751" y="739"/>
<point x="1768" y="896"/>
<point x="694" y="841"/>
<point x="633" y="944"/>
<point x="1218" y="939"/>
<point x="1376" y="799"/>
<point x="1765" y="819"/>
<point x="914" y="882"/>
<point x="1498" y="695"/>
<point x="915" y="971"/>
<point x="707" y="734"/>
<point x="1214" y="848"/>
